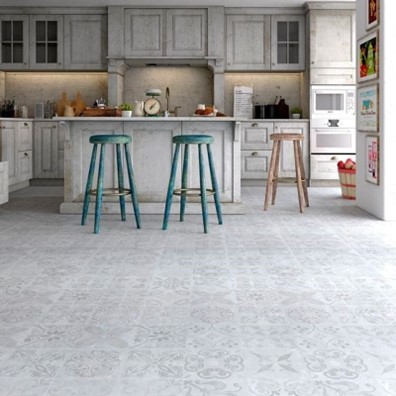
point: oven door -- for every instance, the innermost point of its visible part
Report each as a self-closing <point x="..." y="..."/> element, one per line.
<point x="328" y="140"/>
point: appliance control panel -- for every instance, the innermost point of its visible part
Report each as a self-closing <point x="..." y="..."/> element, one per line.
<point x="350" y="103"/>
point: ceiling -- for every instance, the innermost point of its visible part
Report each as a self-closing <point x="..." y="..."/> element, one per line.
<point x="156" y="3"/>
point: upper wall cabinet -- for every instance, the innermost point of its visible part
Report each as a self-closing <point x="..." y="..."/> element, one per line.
<point x="53" y="42"/>
<point x="264" y="42"/>
<point x="332" y="46"/>
<point x="46" y="42"/>
<point x="85" y="44"/>
<point x="14" y="40"/>
<point x="287" y="42"/>
<point x="165" y="32"/>
<point x="248" y="42"/>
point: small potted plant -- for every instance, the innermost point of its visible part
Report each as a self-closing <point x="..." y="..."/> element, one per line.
<point x="296" y="112"/>
<point x="126" y="109"/>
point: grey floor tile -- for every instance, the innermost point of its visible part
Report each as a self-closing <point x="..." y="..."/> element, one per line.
<point x="272" y="303"/>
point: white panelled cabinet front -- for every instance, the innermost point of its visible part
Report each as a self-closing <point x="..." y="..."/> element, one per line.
<point x="16" y="141"/>
<point x="165" y="32"/>
<point x="48" y="150"/>
<point x="85" y="43"/>
<point x="257" y="148"/>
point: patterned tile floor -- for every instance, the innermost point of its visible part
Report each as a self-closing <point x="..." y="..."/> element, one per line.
<point x="271" y="303"/>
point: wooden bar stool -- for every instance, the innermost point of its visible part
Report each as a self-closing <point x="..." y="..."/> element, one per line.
<point x="184" y="191"/>
<point x="272" y="181"/>
<point x="100" y="191"/>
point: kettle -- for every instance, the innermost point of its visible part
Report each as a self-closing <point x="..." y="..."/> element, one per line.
<point x="138" y="108"/>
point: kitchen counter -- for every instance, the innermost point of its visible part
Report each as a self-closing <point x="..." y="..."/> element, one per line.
<point x="152" y="152"/>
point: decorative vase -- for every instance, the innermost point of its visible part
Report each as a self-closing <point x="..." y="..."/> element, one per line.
<point x="126" y="113"/>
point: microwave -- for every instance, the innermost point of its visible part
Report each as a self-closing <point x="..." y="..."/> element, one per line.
<point x="333" y="101"/>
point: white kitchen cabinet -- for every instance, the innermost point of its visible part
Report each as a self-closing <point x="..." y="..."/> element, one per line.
<point x="288" y="42"/>
<point x="165" y="32"/>
<point x="324" y="166"/>
<point x="14" y="41"/>
<point x="46" y="42"/>
<point x="16" y="141"/>
<point x="265" y="42"/>
<point x="85" y="42"/>
<point x="248" y="42"/>
<point x="257" y="147"/>
<point x="332" y="46"/>
<point x="48" y="150"/>
<point x="3" y="182"/>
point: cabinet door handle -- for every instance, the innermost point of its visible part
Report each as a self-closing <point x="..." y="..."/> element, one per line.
<point x="333" y="158"/>
<point x="254" y="124"/>
<point x="25" y="124"/>
<point x="26" y="154"/>
<point x="254" y="153"/>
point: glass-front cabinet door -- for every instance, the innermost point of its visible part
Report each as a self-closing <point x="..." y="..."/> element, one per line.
<point x="287" y="42"/>
<point x="46" y="36"/>
<point x="14" y="52"/>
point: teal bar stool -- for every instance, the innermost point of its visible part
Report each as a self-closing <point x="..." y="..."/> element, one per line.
<point x="184" y="191"/>
<point x="100" y="191"/>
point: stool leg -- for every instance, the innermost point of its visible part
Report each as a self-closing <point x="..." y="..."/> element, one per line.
<point x="171" y="187"/>
<point x="120" y="181"/>
<point x="298" y="176"/>
<point x="202" y="185"/>
<point x="270" y="177"/>
<point x="215" y="186"/>
<point x="132" y="186"/>
<point x="99" y="192"/>
<point x="183" y="197"/>
<point x="276" y="172"/>
<point x="88" y="187"/>
<point x="303" y="175"/>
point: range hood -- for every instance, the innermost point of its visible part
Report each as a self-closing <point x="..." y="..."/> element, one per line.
<point x="211" y="62"/>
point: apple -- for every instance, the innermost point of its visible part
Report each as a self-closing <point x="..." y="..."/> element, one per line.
<point x="354" y="167"/>
<point x="348" y="164"/>
<point x="341" y="164"/>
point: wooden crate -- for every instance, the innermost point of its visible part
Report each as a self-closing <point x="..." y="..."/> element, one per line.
<point x="106" y="112"/>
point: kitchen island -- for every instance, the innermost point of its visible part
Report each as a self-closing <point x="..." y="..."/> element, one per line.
<point x="152" y="152"/>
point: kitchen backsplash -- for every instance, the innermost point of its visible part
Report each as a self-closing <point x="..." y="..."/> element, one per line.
<point x="31" y="88"/>
<point x="188" y="86"/>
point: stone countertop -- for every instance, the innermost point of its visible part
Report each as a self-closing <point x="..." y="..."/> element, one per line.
<point x="176" y="119"/>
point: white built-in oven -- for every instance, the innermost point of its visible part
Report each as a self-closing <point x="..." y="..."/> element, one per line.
<point x="333" y="135"/>
<point x="336" y="101"/>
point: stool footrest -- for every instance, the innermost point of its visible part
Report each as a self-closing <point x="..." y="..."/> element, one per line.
<point x="118" y="192"/>
<point x="191" y="192"/>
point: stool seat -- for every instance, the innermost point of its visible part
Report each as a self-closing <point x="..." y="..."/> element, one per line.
<point x="186" y="191"/>
<point x="100" y="191"/>
<point x="110" y="139"/>
<point x="272" y="181"/>
<point x="193" y="139"/>
<point x="287" y="136"/>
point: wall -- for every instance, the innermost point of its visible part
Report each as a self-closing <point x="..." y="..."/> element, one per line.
<point x="188" y="85"/>
<point x="30" y="88"/>
<point x="266" y="86"/>
<point x="380" y="200"/>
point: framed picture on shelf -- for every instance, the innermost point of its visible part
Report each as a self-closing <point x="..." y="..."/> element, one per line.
<point x="367" y="108"/>
<point x="368" y="57"/>
<point x="372" y="13"/>
<point x="372" y="159"/>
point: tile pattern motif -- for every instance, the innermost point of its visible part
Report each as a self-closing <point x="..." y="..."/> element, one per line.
<point x="269" y="304"/>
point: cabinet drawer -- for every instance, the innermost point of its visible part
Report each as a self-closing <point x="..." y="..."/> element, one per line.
<point x="256" y="135"/>
<point x="254" y="164"/>
<point x="324" y="167"/>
